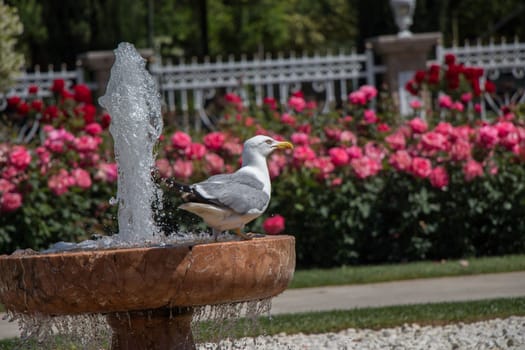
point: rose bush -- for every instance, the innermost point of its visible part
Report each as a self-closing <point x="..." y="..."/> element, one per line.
<point x="362" y="185"/>
<point x="55" y="185"/>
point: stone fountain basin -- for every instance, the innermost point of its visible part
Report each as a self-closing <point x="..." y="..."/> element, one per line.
<point x="118" y="280"/>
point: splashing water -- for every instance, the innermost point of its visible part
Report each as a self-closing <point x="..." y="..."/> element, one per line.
<point x="133" y="102"/>
<point x="214" y="327"/>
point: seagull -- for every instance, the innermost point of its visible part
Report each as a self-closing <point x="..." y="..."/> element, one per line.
<point x="229" y="201"/>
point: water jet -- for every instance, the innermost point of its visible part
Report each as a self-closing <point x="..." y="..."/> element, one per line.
<point x="146" y="293"/>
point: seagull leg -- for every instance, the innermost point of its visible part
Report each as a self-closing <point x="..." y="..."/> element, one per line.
<point x="215" y="233"/>
<point x="244" y="236"/>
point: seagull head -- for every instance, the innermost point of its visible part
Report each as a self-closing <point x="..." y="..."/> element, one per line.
<point x="263" y="145"/>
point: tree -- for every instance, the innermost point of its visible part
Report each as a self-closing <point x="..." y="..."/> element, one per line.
<point x="10" y="60"/>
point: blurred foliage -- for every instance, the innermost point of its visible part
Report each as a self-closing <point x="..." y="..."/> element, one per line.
<point x="58" y="31"/>
<point x="10" y="60"/>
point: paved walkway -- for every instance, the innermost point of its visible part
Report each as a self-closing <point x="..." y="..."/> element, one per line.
<point x="504" y="285"/>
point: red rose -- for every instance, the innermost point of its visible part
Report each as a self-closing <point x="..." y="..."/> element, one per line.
<point x="274" y="225"/>
<point x="13" y="101"/>
<point x="490" y="87"/>
<point x="82" y="93"/>
<point x="58" y="85"/>
<point x="450" y="59"/>
<point x="32" y="89"/>
<point x="22" y="108"/>
<point x="105" y="121"/>
<point x="37" y="105"/>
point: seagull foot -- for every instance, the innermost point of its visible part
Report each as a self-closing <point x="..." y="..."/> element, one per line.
<point x="244" y="236"/>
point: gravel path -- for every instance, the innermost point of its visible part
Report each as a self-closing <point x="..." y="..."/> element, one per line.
<point x="489" y="335"/>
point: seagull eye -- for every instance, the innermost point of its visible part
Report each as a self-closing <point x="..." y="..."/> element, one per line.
<point x="268" y="142"/>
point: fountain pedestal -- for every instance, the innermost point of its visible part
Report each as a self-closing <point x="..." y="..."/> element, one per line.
<point x="152" y="329"/>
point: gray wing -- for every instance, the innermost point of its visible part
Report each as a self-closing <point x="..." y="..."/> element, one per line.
<point x="239" y="192"/>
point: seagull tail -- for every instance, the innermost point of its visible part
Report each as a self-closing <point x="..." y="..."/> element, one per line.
<point x="177" y="186"/>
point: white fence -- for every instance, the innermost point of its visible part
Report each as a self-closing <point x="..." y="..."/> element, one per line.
<point x="44" y="80"/>
<point x="188" y="87"/>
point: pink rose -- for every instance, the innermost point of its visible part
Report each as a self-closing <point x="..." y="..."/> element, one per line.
<point x="107" y="172"/>
<point x="421" y="167"/>
<point x="323" y="164"/>
<point x="370" y="117"/>
<point x="444" y="128"/>
<point x="10" y="201"/>
<point x="196" y="151"/>
<point x="369" y="91"/>
<point x="297" y="103"/>
<point x="357" y="98"/>
<point x="354" y="152"/>
<point x="302" y="154"/>
<point x="338" y="156"/>
<point x="164" y="168"/>
<point x="348" y="137"/>
<point x="365" y="167"/>
<point x="439" y="177"/>
<point x="60" y="183"/>
<point x="445" y="101"/>
<point x="466" y="97"/>
<point x="180" y="140"/>
<point x="214" y="163"/>
<point x="374" y="151"/>
<point x="415" y="104"/>
<point x="288" y="119"/>
<point x="488" y="136"/>
<point x="472" y="169"/>
<point x="396" y="140"/>
<point x="461" y="150"/>
<point x="504" y="128"/>
<point x="274" y="225"/>
<point x="299" y="138"/>
<point x="332" y="134"/>
<point x="214" y="140"/>
<point x="86" y="143"/>
<point x="19" y="157"/>
<point x="401" y="160"/>
<point x="418" y="125"/>
<point x="183" y="169"/>
<point x="82" y="178"/>
<point x="93" y="129"/>
<point x="6" y="186"/>
<point x="433" y="141"/>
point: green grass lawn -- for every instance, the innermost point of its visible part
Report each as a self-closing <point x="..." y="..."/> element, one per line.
<point x="374" y="318"/>
<point x="426" y="269"/>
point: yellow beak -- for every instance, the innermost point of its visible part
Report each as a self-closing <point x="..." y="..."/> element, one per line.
<point x="284" y="145"/>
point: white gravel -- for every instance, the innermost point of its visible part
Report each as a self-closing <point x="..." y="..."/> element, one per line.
<point x="495" y="334"/>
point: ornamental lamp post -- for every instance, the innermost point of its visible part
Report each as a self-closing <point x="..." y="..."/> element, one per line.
<point x="403" y="11"/>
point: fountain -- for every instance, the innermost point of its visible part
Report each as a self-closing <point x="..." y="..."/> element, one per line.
<point x="147" y="291"/>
